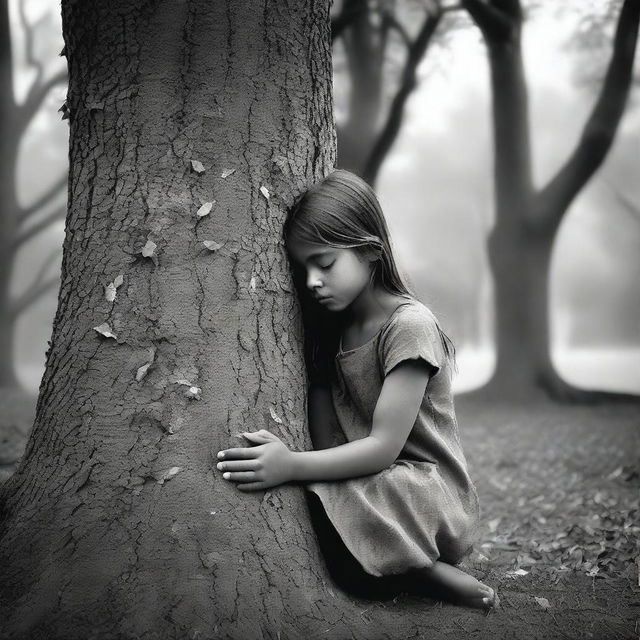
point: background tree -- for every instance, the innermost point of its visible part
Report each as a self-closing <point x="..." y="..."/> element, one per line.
<point x="379" y="45"/>
<point x="527" y="218"/>
<point x="19" y="224"/>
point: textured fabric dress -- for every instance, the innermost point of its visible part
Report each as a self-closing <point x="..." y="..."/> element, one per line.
<point x="424" y="507"/>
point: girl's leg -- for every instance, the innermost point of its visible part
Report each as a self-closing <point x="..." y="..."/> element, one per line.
<point x="446" y="581"/>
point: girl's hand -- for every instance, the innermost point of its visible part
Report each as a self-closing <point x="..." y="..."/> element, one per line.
<point x="259" y="467"/>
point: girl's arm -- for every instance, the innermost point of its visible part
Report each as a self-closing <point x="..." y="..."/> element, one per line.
<point x="272" y="463"/>
<point x="393" y="418"/>
<point x="321" y="416"/>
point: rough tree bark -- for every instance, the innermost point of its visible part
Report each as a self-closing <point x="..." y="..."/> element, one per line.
<point x="14" y="218"/>
<point x="527" y="218"/>
<point x="115" y="524"/>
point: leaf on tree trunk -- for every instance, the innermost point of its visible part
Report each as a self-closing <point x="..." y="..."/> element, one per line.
<point x="193" y="393"/>
<point x="252" y="283"/>
<point x="205" y="209"/>
<point x="105" y="330"/>
<point x="142" y="371"/>
<point x="111" y="288"/>
<point x="162" y="476"/>
<point x="149" y="251"/>
<point x="264" y="191"/>
<point x="227" y="172"/>
<point x="274" y="415"/>
<point x="212" y="245"/>
<point x="65" y="111"/>
<point x="197" y="166"/>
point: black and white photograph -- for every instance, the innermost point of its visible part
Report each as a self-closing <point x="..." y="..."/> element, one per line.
<point x="319" y="320"/>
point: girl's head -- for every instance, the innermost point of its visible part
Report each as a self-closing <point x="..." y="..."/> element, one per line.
<point x="342" y="212"/>
<point x="339" y="212"/>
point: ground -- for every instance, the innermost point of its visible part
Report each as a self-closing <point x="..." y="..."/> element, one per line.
<point x="560" y="540"/>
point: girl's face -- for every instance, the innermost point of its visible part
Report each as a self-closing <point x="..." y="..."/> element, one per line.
<point x="335" y="277"/>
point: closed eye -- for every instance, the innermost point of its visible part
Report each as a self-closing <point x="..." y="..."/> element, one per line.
<point x="326" y="266"/>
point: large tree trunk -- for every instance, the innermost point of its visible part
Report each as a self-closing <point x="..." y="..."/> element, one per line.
<point x="527" y="220"/>
<point x="116" y="524"/>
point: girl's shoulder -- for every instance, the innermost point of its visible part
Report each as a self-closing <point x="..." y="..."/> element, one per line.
<point x="412" y="310"/>
<point x="412" y="332"/>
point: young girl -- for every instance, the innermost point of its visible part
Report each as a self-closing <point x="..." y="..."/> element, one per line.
<point x="387" y="467"/>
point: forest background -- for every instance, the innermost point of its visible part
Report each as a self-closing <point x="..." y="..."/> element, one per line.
<point x="435" y="182"/>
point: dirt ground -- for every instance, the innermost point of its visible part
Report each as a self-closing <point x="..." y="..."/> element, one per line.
<point x="560" y="493"/>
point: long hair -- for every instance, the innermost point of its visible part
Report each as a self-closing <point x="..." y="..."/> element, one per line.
<point x="342" y="211"/>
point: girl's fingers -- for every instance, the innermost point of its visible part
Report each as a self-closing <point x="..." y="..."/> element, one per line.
<point x="240" y="476"/>
<point x="245" y="453"/>
<point x="238" y="465"/>
<point x="252" y="486"/>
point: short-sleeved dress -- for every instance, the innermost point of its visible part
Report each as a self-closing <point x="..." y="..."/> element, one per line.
<point x="424" y="507"/>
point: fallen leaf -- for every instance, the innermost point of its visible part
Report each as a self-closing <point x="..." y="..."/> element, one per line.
<point x="105" y="330"/>
<point x="543" y="602"/>
<point x="111" y="288"/>
<point x="142" y="371"/>
<point x="204" y="210"/>
<point x="264" y="191"/>
<point x="227" y="172"/>
<point x="162" y="476"/>
<point x="212" y="245"/>
<point x="493" y="524"/>
<point x="197" y="166"/>
<point x="193" y="393"/>
<point x="110" y="292"/>
<point x="149" y="250"/>
<point x="517" y="573"/>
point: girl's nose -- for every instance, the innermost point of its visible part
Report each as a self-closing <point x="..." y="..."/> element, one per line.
<point x="313" y="279"/>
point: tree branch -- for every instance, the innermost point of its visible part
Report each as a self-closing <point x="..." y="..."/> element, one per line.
<point x="47" y="262"/>
<point x="34" y="207"/>
<point x="628" y="205"/>
<point x="55" y="215"/>
<point x="600" y="129"/>
<point x="32" y="295"/>
<point x="350" y="10"/>
<point x="494" y="22"/>
<point x="391" y="128"/>
<point x="389" y="20"/>
<point x="37" y="93"/>
<point x="29" y="40"/>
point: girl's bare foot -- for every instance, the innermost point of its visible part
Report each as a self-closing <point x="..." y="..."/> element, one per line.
<point x="451" y="583"/>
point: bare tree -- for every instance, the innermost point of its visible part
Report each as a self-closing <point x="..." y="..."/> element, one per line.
<point x="19" y="224"/>
<point x="377" y="36"/>
<point x="527" y="218"/>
